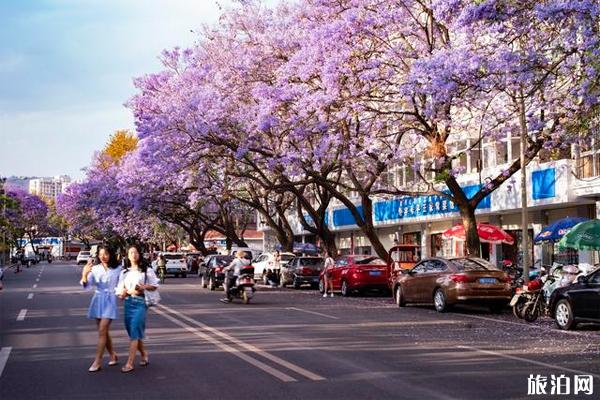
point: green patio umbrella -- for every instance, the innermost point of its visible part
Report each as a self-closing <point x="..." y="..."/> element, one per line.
<point x="583" y="236"/>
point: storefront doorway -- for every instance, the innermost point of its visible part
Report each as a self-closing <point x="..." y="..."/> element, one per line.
<point x="513" y="252"/>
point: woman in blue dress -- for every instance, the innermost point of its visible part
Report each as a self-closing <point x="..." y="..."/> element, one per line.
<point x="135" y="278"/>
<point x="103" y="278"/>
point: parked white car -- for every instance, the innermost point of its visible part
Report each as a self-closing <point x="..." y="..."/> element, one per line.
<point x="83" y="257"/>
<point x="267" y="261"/>
<point x="176" y="264"/>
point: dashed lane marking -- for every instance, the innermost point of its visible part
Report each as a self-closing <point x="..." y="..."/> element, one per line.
<point x="311" y="312"/>
<point x="30" y="296"/>
<point x="35" y="286"/>
<point x="4" y="354"/>
<point x="21" y="316"/>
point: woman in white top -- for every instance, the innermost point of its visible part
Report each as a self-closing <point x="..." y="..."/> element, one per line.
<point x="103" y="278"/>
<point x="327" y="272"/>
<point x="135" y="278"/>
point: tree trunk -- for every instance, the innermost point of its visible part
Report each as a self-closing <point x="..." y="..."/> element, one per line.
<point x="369" y="230"/>
<point x="472" y="236"/>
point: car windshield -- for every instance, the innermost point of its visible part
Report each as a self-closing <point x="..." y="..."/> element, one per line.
<point x="173" y="257"/>
<point x="287" y="257"/>
<point x="368" y="260"/>
<point x="84" y="253"/>
<point x="312" y="262"/>
<point x="224" y="260"/>
<point x="472" y="264"/>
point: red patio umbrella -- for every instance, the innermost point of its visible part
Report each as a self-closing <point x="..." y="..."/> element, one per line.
<point x="488" y="233"/>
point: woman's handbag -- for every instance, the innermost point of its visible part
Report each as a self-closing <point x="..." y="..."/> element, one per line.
<point x="152" y="297"/>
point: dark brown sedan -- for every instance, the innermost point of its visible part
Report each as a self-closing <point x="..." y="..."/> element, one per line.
<point x="446" y="282"/>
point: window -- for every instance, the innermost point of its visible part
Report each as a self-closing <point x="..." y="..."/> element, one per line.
<point x="595" y="279"/>
<point x="437" y="266"/>
<point x="420" y="268"/>
<point x="341" y="262"/>
<point x="310" y="261"/>
<point x="469" y="264"/>
<point x="368" y="261"/>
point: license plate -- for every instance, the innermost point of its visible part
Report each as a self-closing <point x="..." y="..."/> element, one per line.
<point x="514" y="300"/>
<point x="488" y="281"/>
<point x="374" y="273"/>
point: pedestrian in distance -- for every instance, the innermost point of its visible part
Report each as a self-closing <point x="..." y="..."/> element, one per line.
<point x="102" y="278"/>
<point x="135" y="278"/>
<point x="327" y="267"/>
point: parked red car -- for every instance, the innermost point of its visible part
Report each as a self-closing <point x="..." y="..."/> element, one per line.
<point x="356" y="273"/>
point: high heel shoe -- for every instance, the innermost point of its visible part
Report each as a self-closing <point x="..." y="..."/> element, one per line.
<point x="126" y="369"/>
<point x="93" y="368"/>
<point x="114" y="362"/>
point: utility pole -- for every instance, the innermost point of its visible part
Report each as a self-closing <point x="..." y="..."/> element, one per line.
<point x="524" y="214"/>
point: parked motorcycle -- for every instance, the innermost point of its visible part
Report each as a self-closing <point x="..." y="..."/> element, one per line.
<point x="243" y="286"/>
<point x="532" y="301"/>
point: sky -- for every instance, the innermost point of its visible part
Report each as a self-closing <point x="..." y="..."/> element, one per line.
<point x="66" y="68"/>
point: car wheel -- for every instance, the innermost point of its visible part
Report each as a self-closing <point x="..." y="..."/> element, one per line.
<point x="399" y="297"/>
<point x="176" y="275"/>
<point x="296" y="284"/>
<point x="345" y="289"/>
<point x="563" y="315"/>
<point x="439" y="301"/>
<point x="211" y="283"/>
<point x="184" y="275"/>
<point x="321" y="286"/>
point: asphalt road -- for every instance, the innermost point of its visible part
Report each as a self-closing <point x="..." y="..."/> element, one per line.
<point x="286" y="344"/>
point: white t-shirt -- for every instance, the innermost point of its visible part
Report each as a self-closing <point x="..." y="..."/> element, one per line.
<point x="129" y="279"/>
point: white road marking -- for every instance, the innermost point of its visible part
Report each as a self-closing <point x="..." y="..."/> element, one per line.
<point x="37" y="280"/>
<point x="22" y="314"/>
<point x="299" y="370"/>
<point x="30" y="296"/>
<point x="4" y="354"/>
<point x="270" y="370"/>
<point x="311" y="312"/>
<point x="526" y="360"/>
<point x="34" y="286"/>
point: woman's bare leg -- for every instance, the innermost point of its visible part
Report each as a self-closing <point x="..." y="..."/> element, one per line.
<point x="142" y="350"/>
<point x="133" y="346"/>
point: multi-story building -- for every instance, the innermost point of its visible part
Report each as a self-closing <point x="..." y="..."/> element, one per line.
<point x="559" y="184"/>
<point x="49" y="187"/>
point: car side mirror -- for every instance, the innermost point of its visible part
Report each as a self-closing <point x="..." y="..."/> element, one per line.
<point x="582" y="279"/>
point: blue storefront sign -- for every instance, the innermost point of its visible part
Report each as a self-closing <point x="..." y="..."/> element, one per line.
<point x="422" y="206"/>
<point x="408" y="207"/>
<point x="344" y="217"/>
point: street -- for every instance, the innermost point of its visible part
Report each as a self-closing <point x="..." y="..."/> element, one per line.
<point x="286" y="344"/>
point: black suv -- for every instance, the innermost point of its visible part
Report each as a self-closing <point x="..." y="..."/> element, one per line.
<point x="211" y="271"/>
<point x="578" y="302"/>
